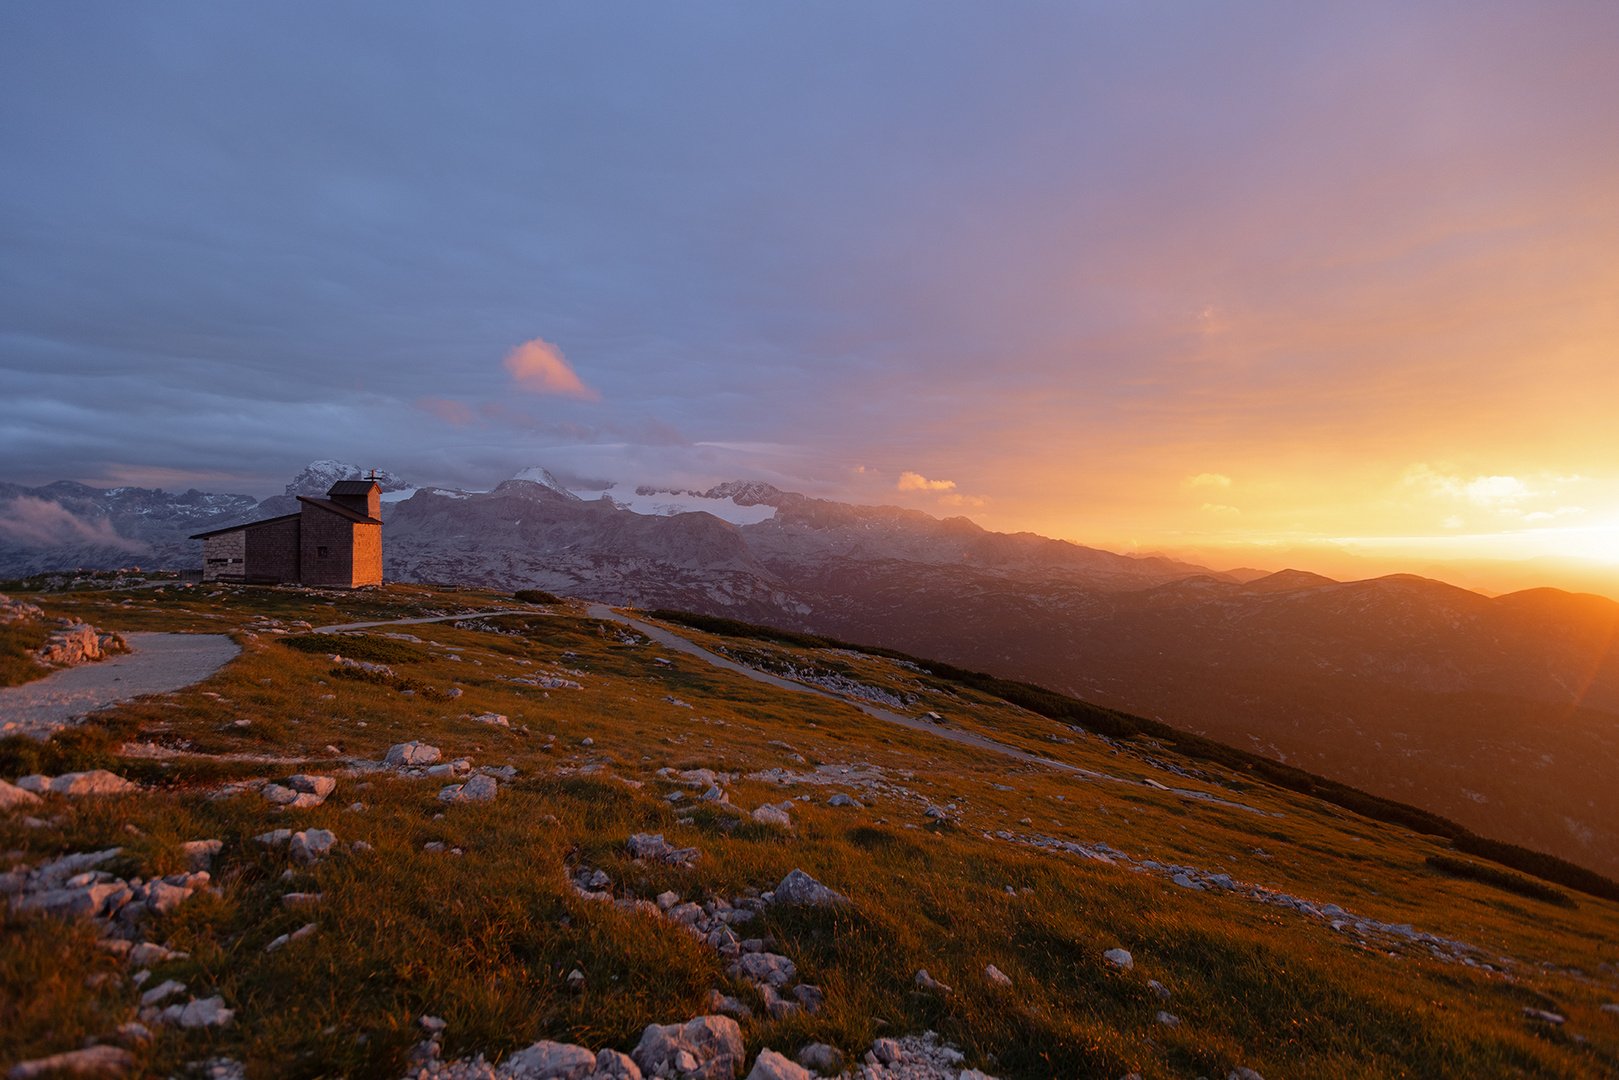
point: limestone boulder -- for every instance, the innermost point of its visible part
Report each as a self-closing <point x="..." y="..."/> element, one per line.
<point x="412" y="754"/>
<point x="547" y="1060"/>
<point x="704" y="1048"/>
<point x="799" y="888"/>
<point x="770" y="1065"/>
<point x="94" y="782"/>
<point x="11" y="795"/>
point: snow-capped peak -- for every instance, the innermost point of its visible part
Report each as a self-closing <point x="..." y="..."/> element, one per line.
<point x="319" y="476"/>
<point x="542" y="476"/>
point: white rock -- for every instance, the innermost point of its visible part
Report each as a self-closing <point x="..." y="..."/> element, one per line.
<point x="200" y="853"/>
<point x="770" y="815"/>
<point x="998" y="977"/>
<point x="546" y="1060"/>
<point x="163" y="898"/>
<point x="94" y="782"/>
<point x="709" y="1048"/>
<point x="770" y="1065"/>
<point x="162" y="990"/>
<point x="1120" y="958"/>
<point x="206" y="1012"/>
<point x="11" y="795"/>
<point x="611" y="1063"/>
<point x="480" y="788"/>
<point x="310" y="845"/>
<point x="1240" y="1073"/>
<point x="274" y="837"/>
<point x="821" y="1058"/>
<point x="887" y="1052"/>
<point x="928" y="982"/>
<point x="799" y="888"/>
<point x="411" y="753"/>
<point x="841" y="799"/>
<point x="96" y="1060"/>
<point x="34" y="783"/>
<point x="667" y="900"/>
<point x="1168" y="1019"/>
<point x="766" y="968"/>
<point x="321" y="786"/>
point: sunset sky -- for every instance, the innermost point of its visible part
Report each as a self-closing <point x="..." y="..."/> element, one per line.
<point x="1257" y="283"/>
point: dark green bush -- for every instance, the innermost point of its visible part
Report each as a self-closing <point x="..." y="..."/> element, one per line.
<point x="535" y="596"/>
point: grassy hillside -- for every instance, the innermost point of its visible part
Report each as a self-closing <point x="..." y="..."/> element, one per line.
<point x="1005" y="873"/>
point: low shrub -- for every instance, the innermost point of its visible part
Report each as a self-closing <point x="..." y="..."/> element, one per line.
<point x="17" y="640"/>
<point x="1501" y="879"/>
<point x="535" y="596"/>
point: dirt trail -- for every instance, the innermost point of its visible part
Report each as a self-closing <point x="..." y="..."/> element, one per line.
<point x="156" y="664"/>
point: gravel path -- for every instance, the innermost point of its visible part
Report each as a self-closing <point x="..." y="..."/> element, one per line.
<point x="156" y="664"/>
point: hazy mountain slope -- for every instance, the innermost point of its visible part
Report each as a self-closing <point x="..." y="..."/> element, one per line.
<point x="1403" y="686"/>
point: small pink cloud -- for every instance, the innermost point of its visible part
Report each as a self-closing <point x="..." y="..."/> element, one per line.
<point x="540" y="368"/>
<point x="910" y="481"/>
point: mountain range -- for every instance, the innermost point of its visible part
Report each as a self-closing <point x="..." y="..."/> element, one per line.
<point x="1501" y="713"/>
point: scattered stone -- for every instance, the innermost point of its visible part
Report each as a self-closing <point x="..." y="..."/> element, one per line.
<point x="821" y="1058"/>
<point x="302" y="899"/>
<point x="411" y="753"/>
<point x="432" y="1024"/>
<point x="134" y="1031"/>
<point x="435" y="845"/>
<point x="667" y="900"/>
<point x="1120" y="958"/>
<point x="206" y="1012"/>
<point x="162" y="990"/>
<point x="799" y="888"/>
<point x="491" y="718"/>
<point x="361" y="846"/>
<point x="705" y="1048"/>
<point x="94" y="782"/>
<point x="770" y="815"/>
<point x="1158" y="988"/>
<point x="654" y="846"/>
<point x="716" y="794"/>
<point x="95" y="1060"/>
<point x="310" y="845"/>
<point x="776" y="1006"/>
<point x="163" y="898"/>
<point x="1240" y="1073"/>
<point x="481" y="788"/>
<point x="200" y="853"/>
<point x="887" y="1052"/>
<point x="297" y="935"/>
<point x="1168" y="1019"/>
<point x="810" y="997"/>
<point x="928" y="982"/>
<point x="998" y="977"/>
<point x="766" y="968"/>
<point x="841" y="799"/>
<point x="547" y="1060"/>
<point x="11" y="795"/>
<point x="274" y="837"/>
<point x="724" y="1003"/>
<point x="147" y="953"/>
<point x="770" y="1065"/>
<point x="1543" y="1016"/>
<point x="576" y="980"/>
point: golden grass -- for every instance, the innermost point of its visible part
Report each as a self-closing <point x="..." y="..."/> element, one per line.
<point x="486" y="938"/>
